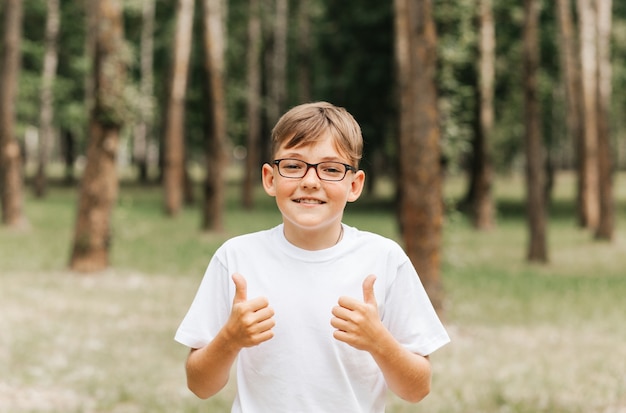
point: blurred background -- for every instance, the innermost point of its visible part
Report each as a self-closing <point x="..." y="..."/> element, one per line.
<point x="131" y="138"/>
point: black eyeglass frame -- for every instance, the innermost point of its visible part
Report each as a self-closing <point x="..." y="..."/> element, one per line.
<point x="314" y="166"/>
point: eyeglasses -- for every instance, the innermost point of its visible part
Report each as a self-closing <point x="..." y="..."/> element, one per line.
<point x="326" y="171"/>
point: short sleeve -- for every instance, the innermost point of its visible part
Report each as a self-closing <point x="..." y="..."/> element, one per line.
<point x="209" y="309"/>
<point x="409" y="314"/>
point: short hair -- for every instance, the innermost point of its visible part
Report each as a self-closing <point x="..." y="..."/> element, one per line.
<point x="304" y="124"/>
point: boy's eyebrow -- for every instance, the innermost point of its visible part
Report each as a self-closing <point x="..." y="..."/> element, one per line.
<point x="293" y="155"/>
<point x="296" y="155"/>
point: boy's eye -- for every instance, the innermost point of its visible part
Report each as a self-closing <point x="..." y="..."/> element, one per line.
<point x="293" y="165"/>
<point x="331" y="169"/>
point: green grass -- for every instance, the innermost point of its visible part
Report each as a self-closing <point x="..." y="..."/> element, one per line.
<point x="527" y="338"/>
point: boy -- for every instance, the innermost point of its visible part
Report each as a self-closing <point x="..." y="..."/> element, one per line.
<point x="321" y="316"/>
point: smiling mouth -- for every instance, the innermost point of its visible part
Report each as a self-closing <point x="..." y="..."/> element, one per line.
<point x="308" y="201"/>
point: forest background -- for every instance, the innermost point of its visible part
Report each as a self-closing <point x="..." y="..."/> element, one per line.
<point x="342" y="52"/>
<point x="531" y="92"/>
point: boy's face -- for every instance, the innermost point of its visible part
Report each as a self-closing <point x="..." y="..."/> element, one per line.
<point x="310" y="206"/>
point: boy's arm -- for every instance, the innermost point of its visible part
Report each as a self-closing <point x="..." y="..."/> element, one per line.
<point x="407" y="374"/>
<point x="208" y="368"/>
<point x="357" y="323"/>
<point x="250" y="323"/>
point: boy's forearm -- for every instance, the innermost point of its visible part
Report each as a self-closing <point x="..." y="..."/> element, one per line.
<point x="407" y="374"/>
<point x="208" y="368"/>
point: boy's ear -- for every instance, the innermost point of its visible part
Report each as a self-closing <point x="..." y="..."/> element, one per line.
<point x="358" y="181"/>
<point x="267" y="175"/>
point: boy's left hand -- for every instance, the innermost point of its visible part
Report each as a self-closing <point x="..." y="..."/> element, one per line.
<point x="357" y="322"/>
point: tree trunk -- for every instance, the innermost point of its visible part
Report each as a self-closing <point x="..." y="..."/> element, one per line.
<point x="535" y="153"/>
<point x="174" y="142"/>
<point x="46" y="97"/>
<point x="214" y="185"/>
<point x="588" y="162"/>
<point x="98" y="193"/>
<point x="91" y="16"/>
<point x="11" y="183"/>
<point x="253" y="114"/>
<point x="277" y="80"/>
<point x="421" y="214"/>
<point x="143" y="129"/>
<point x="304" y="52"/>
<point x="483" y="208"/>
<point x="606" y="222"/>
<point x="570" y="69"/>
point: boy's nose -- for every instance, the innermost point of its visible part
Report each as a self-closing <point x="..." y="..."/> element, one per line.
<point x="310" y="177"/>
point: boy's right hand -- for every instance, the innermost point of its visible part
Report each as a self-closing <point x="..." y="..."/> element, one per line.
<point x="251" y="321"/>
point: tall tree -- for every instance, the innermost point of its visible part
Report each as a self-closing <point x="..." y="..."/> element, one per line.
<point x="421" y="214"/>
<point x="606" y="222"/>
<point x="570" y="75"/>
<point x="99" y="186"/>
<point x="174" y="141"/>
<point x="11" y="185"/>
<point x="143" y="129"/>
<point x="46" y="111"/>
<point x="214" y="183"/>
<point x="253" y="109"/>
<point x="588" y="157"/>
<point x="483" y="206"/>
<point x="304" y="51"/>
<point x="535" y="152"/>
<point x="91" y="21"/>
<point x="277" y="70"/>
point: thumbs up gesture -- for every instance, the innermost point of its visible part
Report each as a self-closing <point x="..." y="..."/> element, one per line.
<point x="357" y="322"/>
<point x="251" y="321"/>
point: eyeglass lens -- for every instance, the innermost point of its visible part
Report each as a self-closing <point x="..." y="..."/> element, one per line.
<point x="329" y="171"/>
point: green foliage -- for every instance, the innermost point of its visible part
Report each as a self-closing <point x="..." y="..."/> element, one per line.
<point x="457" y="77"/>
<point x="352" y="65"/>
<point x="236" y="71"/>
<point x="618" y="123"/>
<point x="73" y="65"/>
<point x="27" y="108"/>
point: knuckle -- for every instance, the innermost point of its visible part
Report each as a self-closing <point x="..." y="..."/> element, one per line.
<point x="247" y="320"/>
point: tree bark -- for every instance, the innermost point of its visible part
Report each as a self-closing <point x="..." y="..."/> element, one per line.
<point x="214" y="184"/>
<point x="46" y="97"/>
<point x="253" y="111"/>
<point x="588" y="161"/>
<point x="483" y="208"/>
<point x="174" y="141"/>
<point x="98" y="192"/>
<point x="304" y="51"/>
<point x="91" y="16"/>
<point x="421" y="209"/>
<point x="277" y="80"/>
<point x="535" y="152"/>
<point x="570" y="70"/>
<point x="606" y="222"/>
<point x="11" y="182"/>
<point x="142" y="138"/>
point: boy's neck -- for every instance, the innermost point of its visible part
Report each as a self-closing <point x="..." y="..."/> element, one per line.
<point x="314" y="240"/>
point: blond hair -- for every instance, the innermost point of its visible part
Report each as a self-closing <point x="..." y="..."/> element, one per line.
<point x="304" y="124"/>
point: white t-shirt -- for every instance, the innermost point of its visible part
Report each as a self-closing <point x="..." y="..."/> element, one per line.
<point x="303" y="368"/>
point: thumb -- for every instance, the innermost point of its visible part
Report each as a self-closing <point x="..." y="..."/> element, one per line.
<point x="241" y="288"/>
<point x="368" y="289"/>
